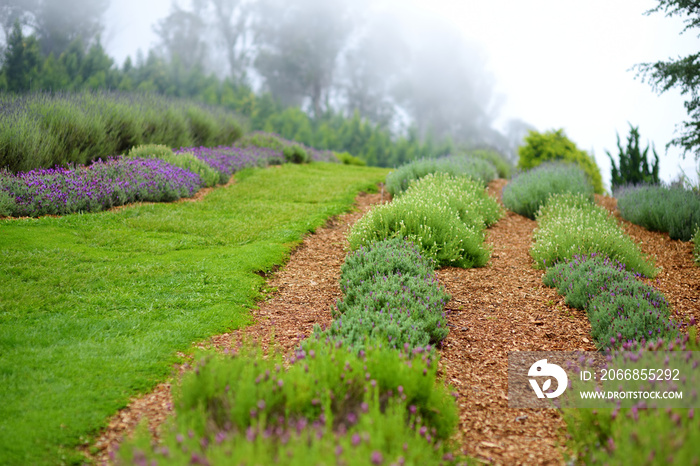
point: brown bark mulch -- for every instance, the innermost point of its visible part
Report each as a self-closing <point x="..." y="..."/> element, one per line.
<point x="496" y="309"/>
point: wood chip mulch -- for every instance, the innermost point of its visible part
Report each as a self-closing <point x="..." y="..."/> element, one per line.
<point x="496" y="309"/>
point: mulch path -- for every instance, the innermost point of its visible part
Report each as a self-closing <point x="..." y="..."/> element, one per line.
<point x="495" y="309"/>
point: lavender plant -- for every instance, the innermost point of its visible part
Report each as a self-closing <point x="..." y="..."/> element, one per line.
<point x="328" y="405"/>
<point x="102" y="185"/>
<point x="296" y="150"/>
<point x="569" y="225"/>
<point x="390" y="294"/>
<point x="476" y="168"/>
<point x="675" y="210"/>
<point x="620" y="308"/>
<point x="696" y="248"/>
<point x="228" y="160"/>
<point x="185" y="160"/>
<point x="442" y="214"/>
<point x="43" y="130"/>
<point x="529" y="190"/>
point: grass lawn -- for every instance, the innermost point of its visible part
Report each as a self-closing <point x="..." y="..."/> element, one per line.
<point x="93" y="308"/>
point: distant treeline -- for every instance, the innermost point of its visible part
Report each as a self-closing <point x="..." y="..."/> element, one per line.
<point x="29" y="65"/>
<point x="80" y="68"/>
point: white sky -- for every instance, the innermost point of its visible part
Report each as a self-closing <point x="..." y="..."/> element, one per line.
<point x="558" y="63"/>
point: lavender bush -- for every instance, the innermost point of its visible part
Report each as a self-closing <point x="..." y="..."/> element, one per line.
<point x="277" y="142"/>
<point x="229" y="160"/>
<point x="620" y="308"/>
<point x="104" y="184"/>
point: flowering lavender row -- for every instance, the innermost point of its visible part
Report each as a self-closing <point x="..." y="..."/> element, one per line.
<point x="391" y="293"/>
<point x="621" y="309"/>
<point x="229" y="160"/>
<point x="104" y="184"/>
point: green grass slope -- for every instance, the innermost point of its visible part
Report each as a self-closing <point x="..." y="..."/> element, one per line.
<point x="94" y="307"/>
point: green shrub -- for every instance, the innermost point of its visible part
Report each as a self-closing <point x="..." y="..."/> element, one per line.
<point x="209" y="176"/>
<point x="347" y="159"/>
<point x="620" y="307"/>
<point x="675" y="210"/>
<point x="552" y="146"/>
<point x="296" y="154"/>
<point x="618" y="316"/>
<point x="479" y="169"/>
<point x="462" y="194"/>
<point x="43" y="130"/>
<point x="528" y="191"/>
<point x="634" y="436"/>
<point x="390" y="294"/>
<point x="150" y="151"/>
<point x="438" y="230"/>
<point x="634" y="167"/>
<point x="569" y="225"/>
<point x="7" y="202"/>
<point x="585" y="277"/>
<point x="503" y="166"/>
<point x="442" y="214"/>
<point x="696" y="241"/>
<point x="387" y="257"/>
<point x="380" y="403"/>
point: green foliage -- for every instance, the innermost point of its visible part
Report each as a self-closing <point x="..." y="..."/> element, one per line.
<point x="620" y="308"/>
<point x="696" y="241"/>
<point x="43" y="130"/>
<point x="7" y="203"/>
<point x="624" y="314"/>
<point x="570" y="225"/>
<point x="243" y="408"/>
<point x="151" y="151"/>
<point x="503" y="166"/>
<point x="462" y="194"/>
<point x="347" y="159"/>
<point x="479" y="169"/>
<point x="681" y="73"/>
<point x="22" y="61"/>
<point x="390" y="294"/>
<point x="209" y="176"/>
<point x="102" y="303"/>
<point x="296" y="154"/>
<point x="528" y="191"/>
<point x="554" y="145"/>
<point x="634" y="436"/>
<point x="444" y="215"/>
<point x="634" y="167"/>
<point x="660" y="208"/>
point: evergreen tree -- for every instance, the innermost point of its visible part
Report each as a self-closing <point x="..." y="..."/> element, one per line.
<point x="22" y="61"/>
<point x="682" y="73"/>
<point x="634" y="167"/>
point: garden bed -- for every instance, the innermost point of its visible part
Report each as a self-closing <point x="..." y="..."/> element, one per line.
<point x="501" y="307"/>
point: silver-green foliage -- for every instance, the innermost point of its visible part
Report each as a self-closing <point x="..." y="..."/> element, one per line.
<point x="474" y="167"/>
<point x="661" y="208"/>
<point x="529" y="190"/>
<point x="570" y="225"/>
<point x="325" y="405"/>
<point x="445" y="215"/>
<point x="390" y="293"/>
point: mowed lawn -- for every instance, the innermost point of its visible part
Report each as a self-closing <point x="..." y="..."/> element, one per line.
<point x="94" y="307"/>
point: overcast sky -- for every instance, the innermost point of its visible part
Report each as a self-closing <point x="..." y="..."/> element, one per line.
<point x="558" y="63"/>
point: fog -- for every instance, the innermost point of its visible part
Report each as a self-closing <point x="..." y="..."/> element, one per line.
<point x="464" y="68"/>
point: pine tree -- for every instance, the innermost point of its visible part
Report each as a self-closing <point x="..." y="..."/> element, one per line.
<point x="22" y="61"/>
